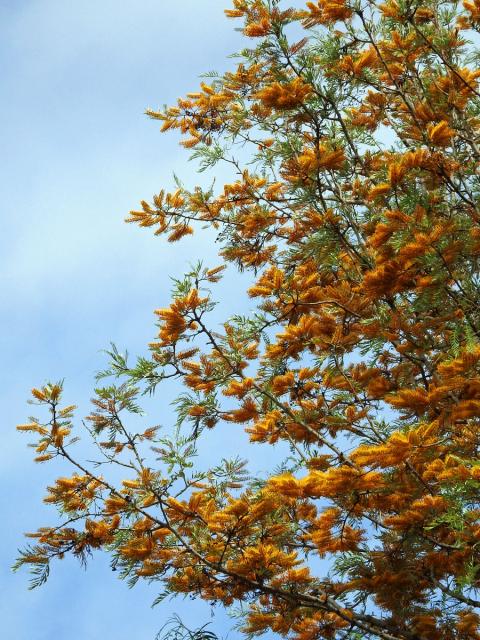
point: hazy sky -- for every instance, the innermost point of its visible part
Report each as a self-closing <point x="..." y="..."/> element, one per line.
<point x="78" y="154"/>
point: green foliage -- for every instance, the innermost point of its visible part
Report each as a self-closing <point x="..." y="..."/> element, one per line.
<point x="175" y="629"/>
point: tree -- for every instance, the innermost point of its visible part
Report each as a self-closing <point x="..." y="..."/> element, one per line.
<point x="355" y="213"/>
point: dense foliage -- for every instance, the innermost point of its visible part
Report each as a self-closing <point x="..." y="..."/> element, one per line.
<point x="356" y="215"/>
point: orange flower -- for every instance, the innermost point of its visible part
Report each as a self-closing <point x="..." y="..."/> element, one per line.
<point x="440" y="134"/>
<point x="284" y="95"/>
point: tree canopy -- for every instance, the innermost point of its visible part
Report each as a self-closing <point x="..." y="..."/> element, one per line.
<point x="352" y="131"/>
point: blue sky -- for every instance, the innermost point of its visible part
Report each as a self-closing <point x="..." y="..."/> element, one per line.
<point x="78" y="154"/>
